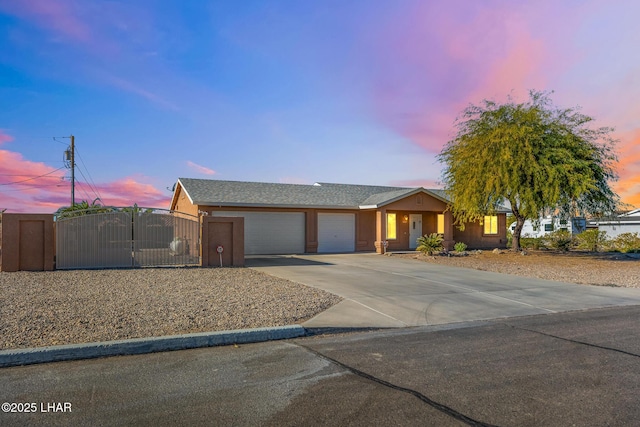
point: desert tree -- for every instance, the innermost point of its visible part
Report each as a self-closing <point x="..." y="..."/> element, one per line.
<point x="533" y="155"/>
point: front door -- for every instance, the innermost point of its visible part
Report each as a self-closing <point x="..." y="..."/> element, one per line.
<point x="415" y="229"/>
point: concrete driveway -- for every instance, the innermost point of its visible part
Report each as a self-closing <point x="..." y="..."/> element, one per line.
<point x="383" y="292"/>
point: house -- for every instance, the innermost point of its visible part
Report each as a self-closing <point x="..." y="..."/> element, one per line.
<point x="625" y="223"/>
<point x="331" y="218"/>
<point x="549" y="224"/>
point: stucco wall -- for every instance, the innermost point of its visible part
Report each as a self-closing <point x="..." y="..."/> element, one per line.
<point x="227" y="232"/>
<point x="365" y="223"/>
<point x="473" y="235"/>
<point x="429" y="225"/>
<point x="365" y="231"/>
<point x="27" y="242"/>
<point x="183" y="204"/>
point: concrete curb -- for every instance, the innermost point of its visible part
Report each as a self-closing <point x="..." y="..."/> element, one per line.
<point x="29" y="356"/>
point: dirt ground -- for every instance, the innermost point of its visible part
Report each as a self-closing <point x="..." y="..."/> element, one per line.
<point x="588" y="268"/>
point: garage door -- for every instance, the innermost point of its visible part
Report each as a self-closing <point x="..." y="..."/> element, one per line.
<point x="271" y="232"/>
<point x="336" y="232"/>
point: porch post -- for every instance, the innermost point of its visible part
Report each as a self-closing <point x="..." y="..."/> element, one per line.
<point x="381" y="230"/>
<point x="448" y="231"/>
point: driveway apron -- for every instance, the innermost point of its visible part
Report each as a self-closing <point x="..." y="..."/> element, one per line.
<point x="386" y="292"/>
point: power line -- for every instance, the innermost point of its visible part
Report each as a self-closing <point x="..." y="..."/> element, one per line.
<point x="19" y="174"/>
<point x="83" y="190"/>
<point x="95" y="187"/>
<point x="89" y="185"/>
<point x="33" y="187"/>
<point x="31" y="179"/>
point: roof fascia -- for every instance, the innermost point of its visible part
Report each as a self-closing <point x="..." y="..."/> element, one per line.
<point x="262" y="205"/>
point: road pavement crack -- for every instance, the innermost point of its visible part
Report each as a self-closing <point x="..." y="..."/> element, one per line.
<point x="439" y="406"/>
<point x="577" y="342"/>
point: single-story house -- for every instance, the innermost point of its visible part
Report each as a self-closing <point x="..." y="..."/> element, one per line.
<point x="625" y="223"/>
<point x="326" y="218"/>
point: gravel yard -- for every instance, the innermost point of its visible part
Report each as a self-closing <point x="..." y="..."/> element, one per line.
<point x="602" y="269"/>
<point x="69" y="307"/>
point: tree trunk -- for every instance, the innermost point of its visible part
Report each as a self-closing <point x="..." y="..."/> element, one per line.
<point x="515" y="242"/>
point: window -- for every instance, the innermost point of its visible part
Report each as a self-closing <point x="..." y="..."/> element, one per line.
<point x="440" y="224"/>
<point x="548" y="227"/>
<point x="490" y="224"/>
<point x="391" y="226"/>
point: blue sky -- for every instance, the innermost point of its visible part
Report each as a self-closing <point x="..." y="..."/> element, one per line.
<point x="359" y="92"/>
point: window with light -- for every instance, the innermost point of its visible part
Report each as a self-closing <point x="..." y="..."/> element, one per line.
<point x="490" y="224"/>
<point x="440" y="229"/>
<point x="391" y="226"/>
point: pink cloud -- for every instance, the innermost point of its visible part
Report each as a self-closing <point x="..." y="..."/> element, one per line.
<point x="135" y="89"/>
<point x="127" y="191"/>
<point x="60" y="16"/>
<point x="628" y="185"/>
<point x="27" y="186"/>
<point x="436" y="58"/>
<point x="49" y="197"/>
<point x="110" y="32"/>
<point x="200" y="169"/>
<point x="4" y="137"/>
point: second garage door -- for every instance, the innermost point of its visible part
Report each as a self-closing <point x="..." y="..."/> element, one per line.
<point x="271" y="232"/>
<point x="336" y="232"/>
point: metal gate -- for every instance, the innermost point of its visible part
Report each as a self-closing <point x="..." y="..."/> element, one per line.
<point x="126" y="237"/>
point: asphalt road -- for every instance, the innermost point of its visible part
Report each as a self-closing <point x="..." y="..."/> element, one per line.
<point x="572" y="368"/>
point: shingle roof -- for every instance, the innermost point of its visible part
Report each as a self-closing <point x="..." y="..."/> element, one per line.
<point x="321" y="195"/>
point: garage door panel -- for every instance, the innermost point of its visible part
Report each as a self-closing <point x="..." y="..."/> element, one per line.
<point x="336" y="232"/>
<point x="271" y="233"/>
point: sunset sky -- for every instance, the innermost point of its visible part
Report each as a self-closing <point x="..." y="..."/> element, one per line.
<point x="295" y="91"/>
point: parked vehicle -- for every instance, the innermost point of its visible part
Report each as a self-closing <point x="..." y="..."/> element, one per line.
<point x="550" y="224"/>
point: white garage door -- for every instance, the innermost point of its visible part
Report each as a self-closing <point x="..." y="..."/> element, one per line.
<point x="271" y="232"/>
<point x="336" y="232"/>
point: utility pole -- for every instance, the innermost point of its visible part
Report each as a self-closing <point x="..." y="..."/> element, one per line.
<point x="73" y="165"/>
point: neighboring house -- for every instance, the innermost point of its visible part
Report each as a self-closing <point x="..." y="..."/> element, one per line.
<point x="625" y="223"/>
<point x="549" y="225"/>
<point x="326" y="218"/>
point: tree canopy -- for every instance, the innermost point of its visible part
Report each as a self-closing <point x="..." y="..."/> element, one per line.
<point x="537" y="157"/>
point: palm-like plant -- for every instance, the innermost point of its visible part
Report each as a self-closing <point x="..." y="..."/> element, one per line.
<point x="430" y="243"/>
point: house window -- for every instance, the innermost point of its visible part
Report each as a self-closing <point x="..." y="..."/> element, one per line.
<point x="548" y="227"/>
<point x="490" y="224"/>
<point x="391" y="226"/>
<point x="440" y="229"/>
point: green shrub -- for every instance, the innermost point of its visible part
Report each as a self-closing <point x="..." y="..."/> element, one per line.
<point x="460" y="247"/>
<point x="430" y="243"/>
<point x="561" y="240"/>
<point x="592" y="240"/>
<point x="534" y="243"/>
<point x="510" y="238"/>
<point x="626" y="242"/>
